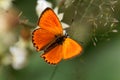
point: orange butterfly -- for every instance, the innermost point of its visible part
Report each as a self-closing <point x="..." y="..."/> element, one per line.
<point x="50" y="38"/>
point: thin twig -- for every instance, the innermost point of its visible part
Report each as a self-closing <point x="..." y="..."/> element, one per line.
<point x="53" y="73"/>
<point x="86" y="10"/>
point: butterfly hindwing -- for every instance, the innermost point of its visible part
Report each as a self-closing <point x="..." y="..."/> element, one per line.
<point x="53" y="56"/>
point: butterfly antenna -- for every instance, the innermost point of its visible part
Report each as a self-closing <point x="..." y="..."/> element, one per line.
<point x="53" y="73"/>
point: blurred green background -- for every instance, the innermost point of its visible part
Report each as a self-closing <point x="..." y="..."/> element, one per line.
<point x="100" y="59"/>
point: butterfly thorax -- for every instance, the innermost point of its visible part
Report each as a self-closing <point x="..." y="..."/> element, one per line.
<point x="59" y="39"/>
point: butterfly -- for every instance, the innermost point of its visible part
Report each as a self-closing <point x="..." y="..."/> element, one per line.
<point x="50" y="38"/>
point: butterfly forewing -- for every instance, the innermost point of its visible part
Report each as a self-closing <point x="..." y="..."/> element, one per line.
<point x="70" y="48"/>
<point x="41" y="38"/>
<point x="50" y="22"/>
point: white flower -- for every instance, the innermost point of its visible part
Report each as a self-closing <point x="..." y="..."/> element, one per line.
<point x="5" y="4"/>
<point x="41" y="6"/>
<point x="19" y="54"/>
<point x="114" y="30"/>
<point x="18" y="57"/>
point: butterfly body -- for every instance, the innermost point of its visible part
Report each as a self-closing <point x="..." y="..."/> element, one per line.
<point x="59" y="39"/>
<point x="50" y="38"/>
